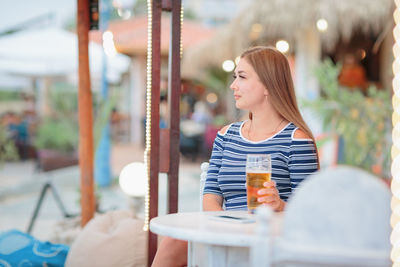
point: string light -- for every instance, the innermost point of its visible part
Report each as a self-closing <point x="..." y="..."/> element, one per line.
<point x="148" y="106"/>
<point x="148" y="114"/>
<point x="181" y="43"/>
<point x="395" y="186"/>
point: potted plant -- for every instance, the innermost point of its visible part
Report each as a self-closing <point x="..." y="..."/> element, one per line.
<point x="56" y="141"/>
<point x="361" y="120"/>
<point x="57" y="136"/>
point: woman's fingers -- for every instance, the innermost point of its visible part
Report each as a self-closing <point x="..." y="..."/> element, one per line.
<point x="270" y="184"/>
<point x="269" y="195"/>
<point x="267" y="199"/>
<point x="267" y="191"/>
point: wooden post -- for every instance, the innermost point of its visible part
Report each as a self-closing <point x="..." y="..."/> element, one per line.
<point x="170" y="137"/>
<point x="174" y="89"/>
<point x="85" y="115"/>
<point x="155" y="122"/>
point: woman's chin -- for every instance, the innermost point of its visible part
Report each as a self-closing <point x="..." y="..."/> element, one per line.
<point x="239" y="105"/>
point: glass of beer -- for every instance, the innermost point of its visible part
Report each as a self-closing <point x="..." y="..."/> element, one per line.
<point x="258" y="171"/>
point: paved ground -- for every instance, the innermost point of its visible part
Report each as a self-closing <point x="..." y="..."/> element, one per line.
<point x="20" y="187"/>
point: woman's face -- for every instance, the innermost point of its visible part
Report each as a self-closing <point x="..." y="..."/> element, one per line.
<point x="247" y="88"/>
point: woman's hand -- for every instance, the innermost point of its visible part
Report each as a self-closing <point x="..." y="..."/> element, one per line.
<point x="270" y="196"/>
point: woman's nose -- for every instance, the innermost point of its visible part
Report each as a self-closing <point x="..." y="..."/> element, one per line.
<point x="233" y="85"/>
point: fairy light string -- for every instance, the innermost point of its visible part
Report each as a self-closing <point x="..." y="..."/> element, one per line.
<point x="395" y="152"/>
<point x="148" y="105"/>
<point x="148" y="114"/>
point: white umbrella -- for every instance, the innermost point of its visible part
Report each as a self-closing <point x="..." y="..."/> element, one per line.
<point x="54" y="52"/>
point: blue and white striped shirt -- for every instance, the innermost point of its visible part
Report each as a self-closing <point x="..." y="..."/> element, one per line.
<point x="292" y="161"/>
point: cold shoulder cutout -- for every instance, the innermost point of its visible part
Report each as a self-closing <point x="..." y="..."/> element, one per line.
<point x="299" y="134"/>
<point x="224" y="129"/>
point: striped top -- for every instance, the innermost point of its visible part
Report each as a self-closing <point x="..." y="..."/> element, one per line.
<point x="292" y="161"/>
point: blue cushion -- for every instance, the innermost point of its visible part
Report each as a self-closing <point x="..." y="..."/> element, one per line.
<point x="20" y="249"/>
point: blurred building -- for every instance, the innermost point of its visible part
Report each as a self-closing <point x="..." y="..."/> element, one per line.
<point x="130" y="38"/>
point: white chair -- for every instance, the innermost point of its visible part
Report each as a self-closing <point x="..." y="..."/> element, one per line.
<point x="203" y="176"/>
<point x="337" y="217"/>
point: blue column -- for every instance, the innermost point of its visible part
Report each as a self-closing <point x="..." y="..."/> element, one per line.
<point x="102" y="172"/>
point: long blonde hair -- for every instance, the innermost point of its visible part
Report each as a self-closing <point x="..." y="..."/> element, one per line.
<point x="273" y="70"/>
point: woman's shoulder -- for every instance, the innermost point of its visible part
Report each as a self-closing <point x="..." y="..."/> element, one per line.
<point x="300" y="134"/>
<point x="225" y="129"/>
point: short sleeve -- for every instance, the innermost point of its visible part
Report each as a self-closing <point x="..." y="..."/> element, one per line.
<point x="302" y="161"/>
<point x="211" y="185"/>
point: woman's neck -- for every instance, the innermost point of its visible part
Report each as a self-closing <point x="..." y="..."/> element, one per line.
<point x="266" y="119"/>
<point x="264" y="124"/>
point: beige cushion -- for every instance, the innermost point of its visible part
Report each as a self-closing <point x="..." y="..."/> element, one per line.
<point x="111" y="239"/>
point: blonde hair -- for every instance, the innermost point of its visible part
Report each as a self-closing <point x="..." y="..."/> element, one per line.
<point x="273" y="70"/>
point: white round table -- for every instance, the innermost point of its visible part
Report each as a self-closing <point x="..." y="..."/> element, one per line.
<point x="211" y="242"/>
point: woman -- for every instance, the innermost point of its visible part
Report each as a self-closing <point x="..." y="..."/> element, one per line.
<point x="263" y="86"/>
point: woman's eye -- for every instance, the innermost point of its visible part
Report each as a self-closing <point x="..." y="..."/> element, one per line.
<point x="240" y="76"/>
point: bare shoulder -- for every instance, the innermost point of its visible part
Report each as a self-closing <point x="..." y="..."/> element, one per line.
<point x="300" y="134"/>
<point x="224" y="129"/>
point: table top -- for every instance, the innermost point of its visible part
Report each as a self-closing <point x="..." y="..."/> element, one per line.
<point x="201" y="227"/>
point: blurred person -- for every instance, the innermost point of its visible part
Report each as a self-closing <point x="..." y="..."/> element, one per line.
<point x="19" y="133"/>
<point x="115" y="121"/>
<point x="263" y="86"/>
<point x="201" y="113"/>
<point x="352" y="74"/>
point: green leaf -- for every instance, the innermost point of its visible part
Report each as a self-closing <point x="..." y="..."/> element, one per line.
<point x="363" y="121"/>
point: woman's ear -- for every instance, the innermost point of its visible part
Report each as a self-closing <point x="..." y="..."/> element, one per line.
<point x="266" y="93"/>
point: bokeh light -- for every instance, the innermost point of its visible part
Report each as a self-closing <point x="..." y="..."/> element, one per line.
<point x="212" y="98"/>
<point x="228" y="65"/>
<point x="132" y="179"/>
<point x="282" y="46"/>
<point x="322" y="25"/>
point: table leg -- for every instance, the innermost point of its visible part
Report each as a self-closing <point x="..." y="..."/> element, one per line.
<point x="217" y="256"/>
<point x="190" y="254"/>
<point x="197" y="254"/>
<point x="226" y="256"/>
<point x="200" y="254"/>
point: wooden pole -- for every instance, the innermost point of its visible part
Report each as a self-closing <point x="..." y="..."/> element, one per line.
<point x="85" y="115"/>
<point x="155" y="122"/>
<point x="174" y="89"/>
<point x="168" y="161"/>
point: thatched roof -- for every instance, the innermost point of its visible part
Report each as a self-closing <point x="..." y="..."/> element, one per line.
<point x="283" y="19"/>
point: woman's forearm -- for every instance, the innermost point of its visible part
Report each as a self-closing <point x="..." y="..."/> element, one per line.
<point x="212" y="202"/>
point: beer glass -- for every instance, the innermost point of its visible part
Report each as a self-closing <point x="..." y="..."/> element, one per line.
<point x="258" y="171"/>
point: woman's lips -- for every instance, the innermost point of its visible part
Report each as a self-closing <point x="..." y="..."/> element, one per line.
<point x="236" y="97"/>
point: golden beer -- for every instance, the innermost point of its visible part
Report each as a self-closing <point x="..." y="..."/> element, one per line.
<point x="255" y="181"/>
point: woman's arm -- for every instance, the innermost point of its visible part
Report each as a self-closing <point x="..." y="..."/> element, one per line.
<point x="212" y="196"/>
<point x="212" y="202"/>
